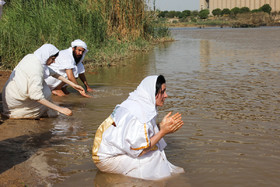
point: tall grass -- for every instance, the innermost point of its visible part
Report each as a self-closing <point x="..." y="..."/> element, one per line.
<point x="109" y="27"/>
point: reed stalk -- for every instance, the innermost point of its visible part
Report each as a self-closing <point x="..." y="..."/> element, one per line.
<point x="109" y="27"/>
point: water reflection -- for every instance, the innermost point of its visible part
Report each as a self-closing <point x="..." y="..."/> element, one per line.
<point x="225" y="82"/>
<point x="204" y="54"/>
<point x="129" y="73"/>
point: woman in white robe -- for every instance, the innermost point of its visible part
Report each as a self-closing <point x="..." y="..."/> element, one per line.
<point x="129" y="141"/>
<point x="25" y="94"/>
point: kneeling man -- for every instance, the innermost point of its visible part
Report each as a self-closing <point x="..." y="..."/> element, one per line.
<point x="69" y="64"/>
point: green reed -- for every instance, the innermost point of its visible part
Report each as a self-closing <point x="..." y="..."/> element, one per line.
<point x="109" y="27"/>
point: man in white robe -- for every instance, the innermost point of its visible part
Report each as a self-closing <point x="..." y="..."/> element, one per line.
<point x="25" y="94"/>
<point x="129" y="141"/>
<point x="69" y="64"/>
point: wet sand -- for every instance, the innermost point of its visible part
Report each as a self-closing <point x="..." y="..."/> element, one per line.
<point x="22" y="163"/>
<point x="15" y="158"/>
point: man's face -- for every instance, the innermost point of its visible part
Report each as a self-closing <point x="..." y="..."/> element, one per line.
<point x="78" y="52"/>
<point x="160" y="97"/>
<point x="50" y="60"/>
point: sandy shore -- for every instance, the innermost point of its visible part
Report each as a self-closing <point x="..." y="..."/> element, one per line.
<point x="17" y="159"/>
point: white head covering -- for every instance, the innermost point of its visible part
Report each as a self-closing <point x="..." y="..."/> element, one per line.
<point x="45" y="52"/>
<point x="79" y="43"/>
<point x="2" y="2"/>
<point x="142" y="102"/>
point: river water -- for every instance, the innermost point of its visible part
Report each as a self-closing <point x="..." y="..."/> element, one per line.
<point x="225" y="82"/>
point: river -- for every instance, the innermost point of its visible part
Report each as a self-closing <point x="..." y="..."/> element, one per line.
<point x="224" y="81"/>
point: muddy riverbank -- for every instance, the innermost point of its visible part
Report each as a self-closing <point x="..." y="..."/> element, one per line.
<point x="16" y="159"/>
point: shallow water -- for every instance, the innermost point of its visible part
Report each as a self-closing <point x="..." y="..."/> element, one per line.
<point x="225" y="82"/>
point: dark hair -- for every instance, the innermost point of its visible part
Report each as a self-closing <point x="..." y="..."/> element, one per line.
<point x="160" y="81"/>
<point x="55" y="55"/>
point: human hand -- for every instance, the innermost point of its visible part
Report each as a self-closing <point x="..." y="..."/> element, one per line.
<point x="85" y="94"/>
<point x="82" y="91"/>
<point x="66" y="111"/>
<point x="171" y="124"/>
<point x="89" y="89"/>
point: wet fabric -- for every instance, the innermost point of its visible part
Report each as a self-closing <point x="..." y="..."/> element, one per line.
<point x="122" y="137"/>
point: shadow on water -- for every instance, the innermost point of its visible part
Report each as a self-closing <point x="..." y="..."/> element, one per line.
<point x="16" y="150"/>
<point x="13" y="152"/>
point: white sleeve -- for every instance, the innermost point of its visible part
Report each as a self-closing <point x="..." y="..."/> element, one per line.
<point x="52" y="72"/>
<point x="135" y="136"/>
<point x="81" y="68"/>
<point x="65" y="63"/>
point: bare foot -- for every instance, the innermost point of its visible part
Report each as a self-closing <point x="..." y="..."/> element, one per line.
<point x="58" y="92"/>
<point x="89" y="89"/>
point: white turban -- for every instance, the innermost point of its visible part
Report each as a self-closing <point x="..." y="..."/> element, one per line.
<point x="142" y="102"/>
<point x="45" y="52"/>
<point x="79" y="43"/>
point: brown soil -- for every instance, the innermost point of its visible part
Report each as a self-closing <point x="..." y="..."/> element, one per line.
<point x="16" y="158"/>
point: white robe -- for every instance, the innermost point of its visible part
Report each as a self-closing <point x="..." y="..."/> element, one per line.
<point x="122" y="137"/>
<point x="116" y="148"/>
<point x="64" y="61"/>
<point x="24" y="88"/>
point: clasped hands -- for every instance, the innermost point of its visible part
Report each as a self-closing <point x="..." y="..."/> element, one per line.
<point x="171" y="124"/>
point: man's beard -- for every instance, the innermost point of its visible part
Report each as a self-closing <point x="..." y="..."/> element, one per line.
<point x="77" y="59"/>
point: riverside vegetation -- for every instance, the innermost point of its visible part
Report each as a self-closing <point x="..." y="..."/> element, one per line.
<point x="236" y="17"/>
<point x="111" y="28"/>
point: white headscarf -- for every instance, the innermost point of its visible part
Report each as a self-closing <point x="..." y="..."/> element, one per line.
<point x="142" y="102"/>
<point x="43" y="54"/>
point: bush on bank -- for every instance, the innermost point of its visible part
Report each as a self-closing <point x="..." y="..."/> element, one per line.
<point x="111" y="28"/>
<point x="193" y="16"/>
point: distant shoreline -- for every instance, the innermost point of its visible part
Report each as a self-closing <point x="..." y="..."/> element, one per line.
<point x="245" y="20"/>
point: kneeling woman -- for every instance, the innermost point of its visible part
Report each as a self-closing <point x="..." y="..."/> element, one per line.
<point x="129" y="141"/>
<point x="26" y="95"/>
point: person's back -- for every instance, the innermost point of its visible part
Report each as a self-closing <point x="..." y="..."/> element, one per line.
<point x="29" y="80"/>
<point x="23" y="85"/>
<point x="25" y="94"/>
